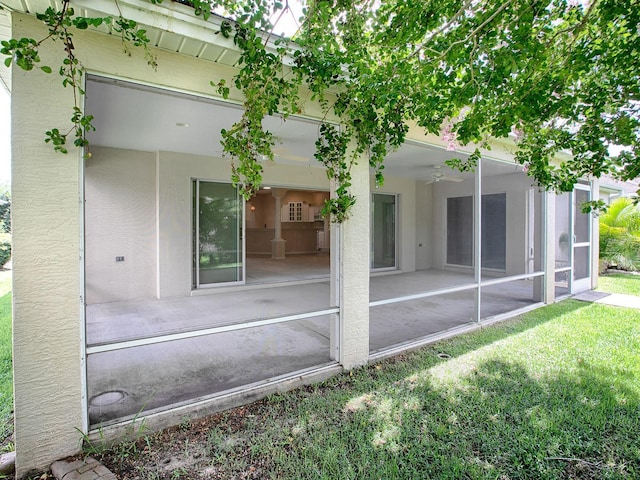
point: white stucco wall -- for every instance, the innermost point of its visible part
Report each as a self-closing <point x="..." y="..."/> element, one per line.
<point x="441" y="191"/>
<point x="354" y="273"/>
<point x="47" y="187"/>
<point x="175" y="174"/>
<point x="120" y="221"/>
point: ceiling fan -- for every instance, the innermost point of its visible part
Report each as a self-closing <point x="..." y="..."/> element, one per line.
<point x="438" y="176"/>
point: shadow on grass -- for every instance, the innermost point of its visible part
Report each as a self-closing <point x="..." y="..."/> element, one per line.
<point x="499" y="422"/>
<point x="431" y="354"/>
<point x="494" y="421"/>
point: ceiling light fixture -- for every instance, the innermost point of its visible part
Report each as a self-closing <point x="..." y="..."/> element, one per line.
<point x="182" y="124"/>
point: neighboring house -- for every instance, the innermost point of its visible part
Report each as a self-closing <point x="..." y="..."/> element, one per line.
<point x="144" y="287"/>
<point x="611" y="188"/>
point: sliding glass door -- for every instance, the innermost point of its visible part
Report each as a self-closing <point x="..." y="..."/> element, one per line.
<point x="383" y="231"/>
<point x="217" y="234"/>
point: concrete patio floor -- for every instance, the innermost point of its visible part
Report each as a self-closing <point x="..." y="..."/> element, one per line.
<point x="122" y="383"/>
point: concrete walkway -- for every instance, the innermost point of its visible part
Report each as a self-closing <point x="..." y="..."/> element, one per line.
<point x="615" y="299"/>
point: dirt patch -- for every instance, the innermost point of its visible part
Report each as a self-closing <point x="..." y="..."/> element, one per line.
<point x="213" y="448"/>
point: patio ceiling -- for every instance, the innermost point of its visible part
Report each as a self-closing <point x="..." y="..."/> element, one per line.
<point x="136" y="117"/>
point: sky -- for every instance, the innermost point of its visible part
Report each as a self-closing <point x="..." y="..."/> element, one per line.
<point x="5" y="138"/>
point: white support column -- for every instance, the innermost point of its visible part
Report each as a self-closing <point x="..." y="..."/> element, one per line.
<point x="47" y="294"/>
<point x="334" y="287"/>
<point x="354" y="273"/>
<point x="595" y="236"/>
<point x="549" y="225"/>
<point x="278" y="244"/>
<point x="477" y="232"/>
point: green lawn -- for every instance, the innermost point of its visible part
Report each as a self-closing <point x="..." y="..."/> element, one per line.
<point x="619" y="283"/>
<point x="554" y="394"/>
<point x="6" y="371"/>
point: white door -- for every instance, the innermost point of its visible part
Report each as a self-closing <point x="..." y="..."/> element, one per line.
<point x="581" y="248"/>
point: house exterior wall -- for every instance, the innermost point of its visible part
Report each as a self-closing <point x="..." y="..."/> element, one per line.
<point x="516" y="187"/>
<point x="120" y="190"/>
<point x="441" y="191"/>
<point x="175" y="174"/>
<point x="48" y="233"/>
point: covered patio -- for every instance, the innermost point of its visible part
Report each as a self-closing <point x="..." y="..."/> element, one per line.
<point x="157" y="354"/>
<point x="211" y="295"/>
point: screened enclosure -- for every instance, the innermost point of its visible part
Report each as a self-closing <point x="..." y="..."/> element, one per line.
<point x="484" y="246"/>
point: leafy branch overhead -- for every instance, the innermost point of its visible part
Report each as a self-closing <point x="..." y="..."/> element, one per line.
<point x="556" y="76"/>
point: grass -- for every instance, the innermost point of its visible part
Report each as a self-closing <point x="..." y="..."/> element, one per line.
<point x="553" y="394"/>
<point x="619" y="283"/>
<point x="6" y="365"/>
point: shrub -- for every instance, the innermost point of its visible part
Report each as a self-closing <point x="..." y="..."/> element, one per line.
<point x="620" y="235"/>
<point x="5" y="252"/>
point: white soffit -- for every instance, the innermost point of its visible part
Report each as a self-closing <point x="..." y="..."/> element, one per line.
<point x="170" y="26"/>
<point x="174" y="27"/>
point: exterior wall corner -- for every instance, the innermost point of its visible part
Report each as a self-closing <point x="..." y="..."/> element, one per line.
<point x="47" y="332"/>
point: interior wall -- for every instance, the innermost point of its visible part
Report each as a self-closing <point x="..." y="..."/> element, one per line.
<point x="264" y="214"/>
<point x="120" y="221"/>
<point x="301" y="237"/>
